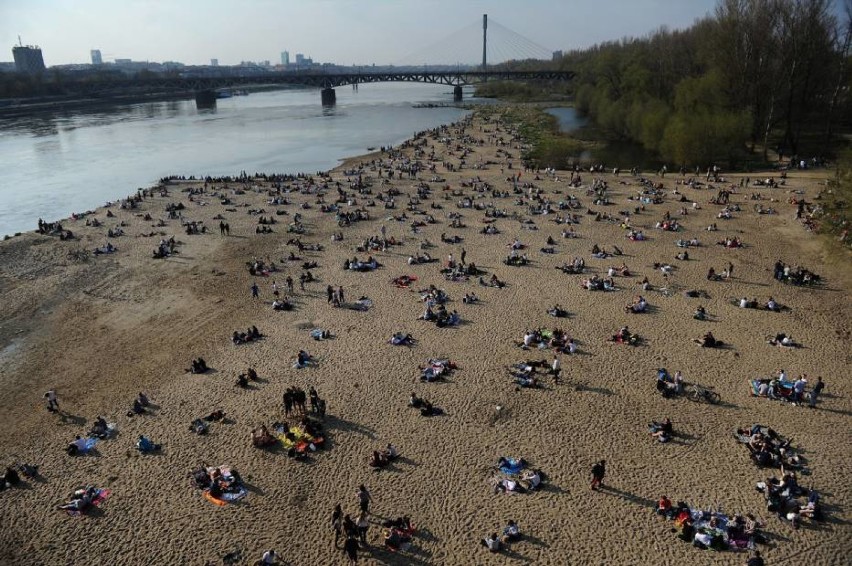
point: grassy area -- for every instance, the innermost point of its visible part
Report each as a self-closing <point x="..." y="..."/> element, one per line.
<point x="546" y="146"/>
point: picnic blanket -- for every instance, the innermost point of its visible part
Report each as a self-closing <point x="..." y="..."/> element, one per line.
<point x="512" y="466"/>
<point x="303" y="441"/>
<point x="235" y="493"/>
<point x="99" y="498"/>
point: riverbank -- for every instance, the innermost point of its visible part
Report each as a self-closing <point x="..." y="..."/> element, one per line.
<point x="100" y="329"/>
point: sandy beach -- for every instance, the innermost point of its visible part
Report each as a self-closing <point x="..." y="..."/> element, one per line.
<point x="100" y="329"/>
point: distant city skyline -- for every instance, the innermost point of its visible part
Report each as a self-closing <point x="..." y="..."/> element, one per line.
<point x="345" y="32"/>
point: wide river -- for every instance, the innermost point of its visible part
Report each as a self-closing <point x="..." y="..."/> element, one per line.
<point x="57" y="164"/>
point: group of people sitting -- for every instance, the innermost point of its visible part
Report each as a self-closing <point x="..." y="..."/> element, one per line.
<point x="669" y="385"/>
<point x="220" y="483"/>
<point x="515" y="475"/>
<point x="250" y="335"/>
<point x="357" y="265"/>
<point x="511" y="533"/>
<point x="794" y="275"/>
<point x="767" y="448"/>
<point x="493" y="282"/>
<point x="440" y="316"/>
<point x="244" y="378"/>
<point x="595" y="283"/>
<point x="734" y="242"/>
<point x="783" y="498"/>
<point x="382" y="458"/>
<point x="198" y="366"/>
<point x="284" y="304"/>
<point x="576" y="267"/>
<point x="624" y="336"/>
<point x="792" y="391"/>
<point x="202" y="425"/>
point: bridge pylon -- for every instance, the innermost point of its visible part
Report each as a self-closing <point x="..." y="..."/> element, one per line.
<point x="328" y="96"/>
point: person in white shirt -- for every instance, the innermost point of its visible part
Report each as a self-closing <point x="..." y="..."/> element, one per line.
<point x="492" y="542"/>
<point x="268" y="557"/>
<point x="555" y="369"/>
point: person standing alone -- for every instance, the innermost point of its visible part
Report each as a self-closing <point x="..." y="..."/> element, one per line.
<point x="598" y="472"/>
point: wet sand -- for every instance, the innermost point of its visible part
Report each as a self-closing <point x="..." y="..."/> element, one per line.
<point x="102" y="330"/>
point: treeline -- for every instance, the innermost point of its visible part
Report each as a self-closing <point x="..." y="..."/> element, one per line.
<point x="54" y="82"/>
<point x="758" y="75"/>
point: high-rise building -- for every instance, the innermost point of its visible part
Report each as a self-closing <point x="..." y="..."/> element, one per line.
<point x="28" y="59"/>
<point x="285" y="58"/>
<point x="214" y="62"/>
<point x="557" y="55"/>
<point x="96" y="57"/>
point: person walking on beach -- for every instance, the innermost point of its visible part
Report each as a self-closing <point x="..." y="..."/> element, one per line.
<point x="350" y="549"/>
<point x="340" y="295"/>
<point x="814" y="395"/>
<point x="363" y="525"/>
<point x="52" y="403"/>
<point x="555" y="369"/>
<point x="363" y="498"/>
<point x="463" y="256"/>
<point x="302" y="281"/>
<point x="255" y="291"/>
<point x="730" y="270"/>
<point x="221" y="228"/>
<point x="330" y="292"/>
<point x="289" y="281"/>
<point x="598" y="472"/>
<point x="337" y="523"/>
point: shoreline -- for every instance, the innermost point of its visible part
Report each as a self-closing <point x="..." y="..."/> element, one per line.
<point x="103" y="328"/>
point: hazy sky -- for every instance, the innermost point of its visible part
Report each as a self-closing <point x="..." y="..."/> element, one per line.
<point x="339" y="31"/>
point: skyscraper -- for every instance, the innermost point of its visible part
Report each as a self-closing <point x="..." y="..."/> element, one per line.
<point x="96" y="57"/>
<point x="28" y="59"/>
<point x="285" y="58"/>
<point x="214" y="62"/>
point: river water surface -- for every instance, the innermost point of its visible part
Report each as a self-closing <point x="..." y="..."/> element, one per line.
<point x="56" y="164"/>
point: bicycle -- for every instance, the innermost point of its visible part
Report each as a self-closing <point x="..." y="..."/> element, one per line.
<point x="701" y="394"/>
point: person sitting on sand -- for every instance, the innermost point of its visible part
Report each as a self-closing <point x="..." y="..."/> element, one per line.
<point x="530" y="479"/>
<point x="390" y="452"/>
<point x="303" y="359"/>
<point x="700" y="313"/>
<point x="198" y="366"/>
<point x="415" y="401"/>
<point x="242" y="381"/>
<point x="708" y="341"/>
<point x="146" y="446"/>
<point x="99" y="428"/>
<point x="261" y="437"/>
<point x="138" y="408"/>
<point x="772" y="305"/>
<point x="661" y="431"/>
<point x="492" y="542"/>
<point x="511" y="533"/>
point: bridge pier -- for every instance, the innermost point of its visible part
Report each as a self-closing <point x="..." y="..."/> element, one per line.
<point x="458" y="94"/>
<point x="329" y="97"/>
<point x="205" y="98"/>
